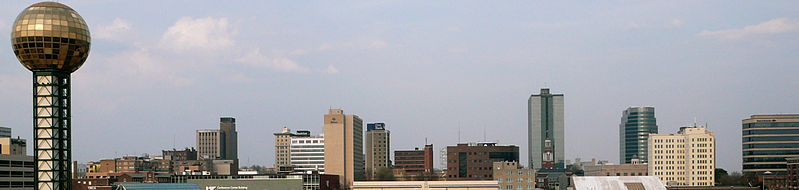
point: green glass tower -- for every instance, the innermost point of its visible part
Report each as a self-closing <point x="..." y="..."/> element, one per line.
<point x="636" y="125"/>
<point x="52" y="41"/>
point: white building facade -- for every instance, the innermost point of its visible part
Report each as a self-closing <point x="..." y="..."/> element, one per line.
<point x="308" y="153"/>
<point x="683" y="159"/>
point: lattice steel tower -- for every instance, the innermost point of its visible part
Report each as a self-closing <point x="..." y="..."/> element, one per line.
<point x="51" y="40"/>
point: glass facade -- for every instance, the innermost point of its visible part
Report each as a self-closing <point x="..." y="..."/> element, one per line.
<point x="767" y="140"/>
<point x="636" y="125"/>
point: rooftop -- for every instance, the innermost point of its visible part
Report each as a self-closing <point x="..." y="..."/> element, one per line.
<point x="156" y="186"/>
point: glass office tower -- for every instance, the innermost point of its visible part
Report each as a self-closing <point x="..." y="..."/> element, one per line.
<point x="767" y="141"/>
<point x="636" y="125"/>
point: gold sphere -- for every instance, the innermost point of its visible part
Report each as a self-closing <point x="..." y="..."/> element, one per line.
<point x="50" y="36"/>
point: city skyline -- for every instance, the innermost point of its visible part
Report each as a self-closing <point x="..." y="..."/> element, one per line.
<point x="442" y="70"/>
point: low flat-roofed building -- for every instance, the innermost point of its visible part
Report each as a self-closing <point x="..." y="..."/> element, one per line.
<point x="714" y="188"/>
<point x="617" y="182"/>
<point x="617" y="170"/>
<point x="254" y="183"/>
<point x="13" y="146"/>
<point x="86" y="184"/>
<point x="157" y="186"/>
<point x="510" y="175"/>
<point x="406" y="185"/>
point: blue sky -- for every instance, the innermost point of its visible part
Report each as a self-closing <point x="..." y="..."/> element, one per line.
<point x="159" y="70"/>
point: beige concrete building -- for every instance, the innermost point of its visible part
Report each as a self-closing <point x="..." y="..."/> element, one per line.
<point x="344" y="146"/>
<point x="683" y="159"/>
<point x="12" y="146"/>
<point x="209" y="144"/>
<point x="283" y="145"/>
<point x="425" y="185"/>
<point x="509" y="176"/>
<point x="378" y="146"/>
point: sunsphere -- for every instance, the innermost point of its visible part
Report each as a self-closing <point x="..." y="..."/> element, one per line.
<point x="50" y="35"/>
<point x="53" y="41"/>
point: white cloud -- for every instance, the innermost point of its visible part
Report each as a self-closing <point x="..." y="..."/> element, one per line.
<point x="331" y="70"/>
<point x="325" y="47"/>
<point x="255" y="58"/>
<point x="675" y="23"/>
<point x="774" y="26"/>
<point x="117" y="30"/>
<point x="633" y="25"/>
<point x="202" y="33"/>
<point x="378" y="44"/>
<point x="140" y="65"/>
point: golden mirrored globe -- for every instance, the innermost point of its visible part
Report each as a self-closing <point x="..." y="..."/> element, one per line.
<point x="50" y="36"/>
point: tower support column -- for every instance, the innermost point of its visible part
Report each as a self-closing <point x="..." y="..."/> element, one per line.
<point x="52" y="144"/>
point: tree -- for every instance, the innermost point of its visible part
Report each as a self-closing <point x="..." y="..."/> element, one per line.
<point x="723" y="178"/>
<point x="574" y="169"/>
<point x="720" y="174"/>
<point x="260" y="169"/>
<point x="384" y="174"/>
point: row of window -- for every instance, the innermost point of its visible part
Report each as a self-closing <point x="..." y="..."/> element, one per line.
<point x="772" y="145"/>
<point x="772" y="131"/>
<point x="518" y="180"/>
<point x="509" y="187"/>
<point x="763" y="125"/>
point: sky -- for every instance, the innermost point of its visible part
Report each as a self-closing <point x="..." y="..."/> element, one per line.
<point x="159" y="70"/>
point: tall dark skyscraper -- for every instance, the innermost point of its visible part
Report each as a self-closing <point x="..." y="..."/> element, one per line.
<point x="230" y="148"/>
<point x="52" y="40"/>
<point x="545" y="135"/>
<point x="636" y="125"/>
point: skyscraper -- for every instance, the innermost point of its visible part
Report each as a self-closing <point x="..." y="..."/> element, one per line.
<point x="378" y="143"/>
<point x="636" y="125"/>
<point x="344" y="146"/>
<point x="767" y="141"/>
<point x="227" y="125"/>
<point x="545" y="135"/>
<point x="687" y="158"/>
<point x="52" y="40"/>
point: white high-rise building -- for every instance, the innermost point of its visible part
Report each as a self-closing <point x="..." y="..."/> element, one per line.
<point x="308" y="153"/>
<point x="683" y="159"/>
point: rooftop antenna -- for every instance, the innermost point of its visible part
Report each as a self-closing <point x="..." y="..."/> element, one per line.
<point x="459" y="131"/>
<point x="694" y="121"/>
<point x="484" y="133"/>
<point x="425" y="141"/>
